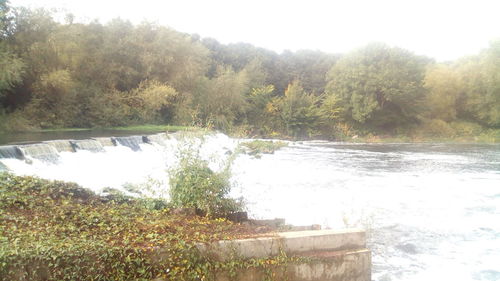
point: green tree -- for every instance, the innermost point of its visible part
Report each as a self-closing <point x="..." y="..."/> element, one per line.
<point x="379" y="85"/>
<point x="221" y="100"/>
<point x="11" y="70"/>
<point x="11" y="66"/>
<point x="53" y="103"/>
<point x="153" y="102"/>
<point x="298" y="111"/>
<point x="5" y="19"/>
<point x="258" y="115"/>
<point x="481" y="75"/>
<point x="443" y="92"/>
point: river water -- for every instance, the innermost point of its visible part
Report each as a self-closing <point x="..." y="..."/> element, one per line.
<point x="432" y="211"/>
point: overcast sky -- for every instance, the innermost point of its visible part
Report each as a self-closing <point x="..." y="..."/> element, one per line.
<point x="442" y="29"/>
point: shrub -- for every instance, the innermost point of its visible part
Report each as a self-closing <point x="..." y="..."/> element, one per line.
<point x="463" y="128"/>
<point x="258" y="147"/>
<point x="194" y="185"/>
<point x="435" y="128"/>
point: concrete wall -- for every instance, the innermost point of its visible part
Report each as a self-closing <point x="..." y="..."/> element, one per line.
<point x="335" y="255"/>
<point x="344" y="266"/>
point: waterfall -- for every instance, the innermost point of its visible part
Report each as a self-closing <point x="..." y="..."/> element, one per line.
<point x="116" y="166"/>
<point x="160" y="139"/>
<point x="11" y="151"/>
<point x="90" y="145"/>
<point x="106" y="141"/>
<point x="133" y="142"/>
<point x="3" y="167"/>
<point x="61" y="145"/>
<point x="41" y="151"/>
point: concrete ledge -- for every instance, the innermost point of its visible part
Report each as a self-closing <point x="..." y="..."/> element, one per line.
<point x="290" y="242"/>
<point x="105" y="141"/>
<point x="61" y="145"/>
<point x="341" y="266"/>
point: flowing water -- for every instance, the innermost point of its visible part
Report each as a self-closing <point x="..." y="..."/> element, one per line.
<point x="432" y="211"/>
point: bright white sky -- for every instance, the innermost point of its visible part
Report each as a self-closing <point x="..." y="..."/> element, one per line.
<point x="443" y="29"/>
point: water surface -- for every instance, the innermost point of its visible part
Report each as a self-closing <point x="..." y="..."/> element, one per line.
<point x="432" y="210"/>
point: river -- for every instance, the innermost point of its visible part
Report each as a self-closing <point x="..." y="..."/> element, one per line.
<point x="432" y="211"/>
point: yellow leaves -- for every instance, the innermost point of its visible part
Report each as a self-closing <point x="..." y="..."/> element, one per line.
<point x="271" y="262"/>
<point x="271" y="107"/>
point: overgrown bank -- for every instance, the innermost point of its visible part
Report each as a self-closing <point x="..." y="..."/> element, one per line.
<point x="60" y="231"/>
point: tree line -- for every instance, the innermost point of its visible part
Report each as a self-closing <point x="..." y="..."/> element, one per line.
<point x="66" y="74"/>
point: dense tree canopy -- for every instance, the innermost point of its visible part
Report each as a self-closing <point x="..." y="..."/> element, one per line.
<point x="68" y="74"/>
<point x="379" y="85"/>
<point x="11" y="67"/>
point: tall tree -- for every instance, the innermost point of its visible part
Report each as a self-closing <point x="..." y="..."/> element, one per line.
<point x="11" y="66"/>
<point x="298" y="110"/>
<point x="444" y="90"/>
<point x="379" y="85"/>
<point x="482" y="77"/>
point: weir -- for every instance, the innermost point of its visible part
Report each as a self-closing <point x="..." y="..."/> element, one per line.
<point x="133" y="142"/>
<point x="11" y="151"/>
<point x="158" y="139"/>
<point x="61" y="145"/>
<point x="90" y="145"/>
<point x="41" y="151"/>
<point x="49" y="150"/>
<point x="106" y="141"/>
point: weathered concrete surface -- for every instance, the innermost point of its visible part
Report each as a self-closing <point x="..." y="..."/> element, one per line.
<point x="336" y="266"/>
<point x="300" y="227"/>
<point x="90" y="145"/>
<point x="290" y="242"/>
<point x="61" y="145"/>
<point x="40" y="151"/>
<point x="105" y="141"/>
<point x="335" y="255"/>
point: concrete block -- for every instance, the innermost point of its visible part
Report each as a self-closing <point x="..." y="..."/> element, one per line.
<point x="323" y="240"/>
<point x="105" y="141"/>
<point x="336" y="266"/>
<point x="61" y="145"/>
<point x="290" y="242"/>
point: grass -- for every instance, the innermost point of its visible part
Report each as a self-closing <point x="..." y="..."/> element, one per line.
<point x="153" y="128"/>
<point x="145" y="128"/>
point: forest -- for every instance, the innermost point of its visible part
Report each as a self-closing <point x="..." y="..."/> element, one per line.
<point x="65" y="74"/>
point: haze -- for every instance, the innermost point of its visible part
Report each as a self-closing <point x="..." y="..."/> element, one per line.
<point x="444" y="30"/>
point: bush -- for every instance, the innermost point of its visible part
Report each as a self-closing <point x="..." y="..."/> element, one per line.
<point x="435" y="128"/>
<point x="258" y="147"/>
<point x="194" y="185"/>
<point x="464" y="129"/>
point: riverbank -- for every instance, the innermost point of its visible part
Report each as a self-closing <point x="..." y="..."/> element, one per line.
<point x="60" y="231"/>
<point x="481" y="137"/>
<point x="491" y="138"/>
<point x="86" y="133"/>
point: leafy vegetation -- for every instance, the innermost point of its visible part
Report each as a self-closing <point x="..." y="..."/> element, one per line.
<point x="258" y="147"/>
<point x="194" y="185"/>
<point x="74" y="75"/>
<point x="53" y="230"/>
